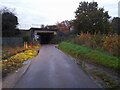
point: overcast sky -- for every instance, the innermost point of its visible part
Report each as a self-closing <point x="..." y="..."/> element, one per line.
<point x="48" y="12"/>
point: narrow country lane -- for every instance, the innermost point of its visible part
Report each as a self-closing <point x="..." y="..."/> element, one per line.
<point x="53" y="69"/>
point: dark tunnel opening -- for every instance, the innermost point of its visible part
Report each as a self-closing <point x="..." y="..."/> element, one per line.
<point x="45" y="38"/>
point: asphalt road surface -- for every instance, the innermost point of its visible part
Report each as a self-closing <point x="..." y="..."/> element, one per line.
<point x="53" y="69"/>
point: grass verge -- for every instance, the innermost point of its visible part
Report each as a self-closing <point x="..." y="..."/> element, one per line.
<point x="16" y="61"/>
<point x="90" y="55"/>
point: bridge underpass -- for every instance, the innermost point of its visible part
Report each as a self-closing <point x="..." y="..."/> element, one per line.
<point x="45" y="37"/>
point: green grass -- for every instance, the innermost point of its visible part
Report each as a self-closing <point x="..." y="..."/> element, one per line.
<point x="94" y="56"/>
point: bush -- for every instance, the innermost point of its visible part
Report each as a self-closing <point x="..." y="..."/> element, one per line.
<point x="10" y="51"/>
<point x="16" y="61"/>
<point x="109" y="43"/>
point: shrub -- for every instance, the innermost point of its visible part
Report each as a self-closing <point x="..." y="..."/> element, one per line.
<point x="16" y="61"/>
<point x="109" y="43"/>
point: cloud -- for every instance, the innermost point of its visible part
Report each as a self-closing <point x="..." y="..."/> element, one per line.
<point x="50" y="11"/>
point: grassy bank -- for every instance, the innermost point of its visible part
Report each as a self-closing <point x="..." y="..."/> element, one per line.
<point x="94" y="56"/>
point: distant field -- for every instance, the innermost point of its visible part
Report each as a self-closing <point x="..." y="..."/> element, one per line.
<point x="90" y="55"/>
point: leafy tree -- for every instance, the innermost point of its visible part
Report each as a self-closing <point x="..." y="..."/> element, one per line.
<point x="90" y="18"/>
<point x="116" y="25"/>
<point x="9" y="23"/>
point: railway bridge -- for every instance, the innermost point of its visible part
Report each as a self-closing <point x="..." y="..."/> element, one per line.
<point x="44" y="35"/>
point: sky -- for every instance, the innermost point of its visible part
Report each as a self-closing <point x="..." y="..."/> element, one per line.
<point x="119" y="9"/>
<point x="33" y="13"/>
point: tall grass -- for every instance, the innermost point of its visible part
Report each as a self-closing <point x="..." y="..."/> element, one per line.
<point x="109" y="43"/>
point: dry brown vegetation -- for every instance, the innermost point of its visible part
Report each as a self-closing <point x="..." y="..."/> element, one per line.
<point x="109" y="43"/>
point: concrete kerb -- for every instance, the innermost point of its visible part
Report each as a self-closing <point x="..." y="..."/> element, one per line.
<point x="13" y="78"/>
